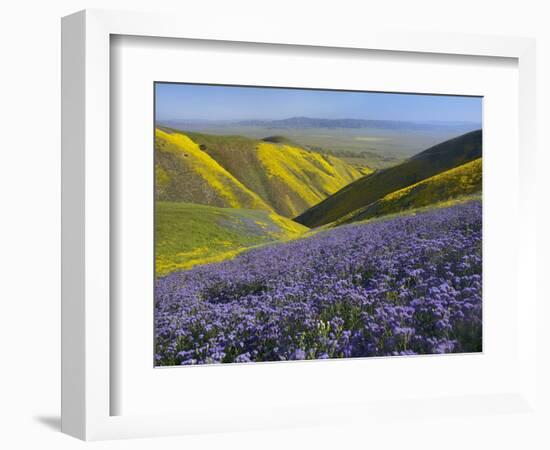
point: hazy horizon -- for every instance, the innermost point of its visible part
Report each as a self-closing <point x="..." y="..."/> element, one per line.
<point x="216" y="103"/>
<point x="272" y="119"/>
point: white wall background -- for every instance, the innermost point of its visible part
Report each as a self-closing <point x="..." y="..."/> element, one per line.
<point x="30" y="196"/>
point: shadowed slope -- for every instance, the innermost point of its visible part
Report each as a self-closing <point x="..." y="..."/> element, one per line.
<point x="369" y="189"/>
<point x="459" y="182"/>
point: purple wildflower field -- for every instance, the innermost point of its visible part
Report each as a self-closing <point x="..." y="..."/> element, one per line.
<point x="399" y="286"/>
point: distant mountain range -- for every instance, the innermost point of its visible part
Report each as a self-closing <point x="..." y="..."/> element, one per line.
<point x="312" y="122"/>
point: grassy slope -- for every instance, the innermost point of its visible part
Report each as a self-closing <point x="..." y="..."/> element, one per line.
<point x="369" y="189"/>
<point x="188" y="234"/>
<point x="286" y="177"/>
<point x="298" y="179"/>
<point x="186" y="173"/>
<point x="464" y="180"/>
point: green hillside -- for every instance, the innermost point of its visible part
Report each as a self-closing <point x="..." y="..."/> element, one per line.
<point x="188" y="234"/>
<point x="369" y="189"/>
<point x="464" y="180"/>
<point x="283" y="176"/>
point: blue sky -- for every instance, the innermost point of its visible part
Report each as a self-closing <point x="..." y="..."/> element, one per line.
<point x="204" y="102"/>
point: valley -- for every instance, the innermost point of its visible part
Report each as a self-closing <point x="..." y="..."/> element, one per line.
<point x="218" y="196"/>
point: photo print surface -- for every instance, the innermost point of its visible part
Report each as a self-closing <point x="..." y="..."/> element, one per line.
<point x="305" y="224"/>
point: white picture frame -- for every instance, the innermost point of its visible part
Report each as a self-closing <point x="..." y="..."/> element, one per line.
<point x="86" y="220"/>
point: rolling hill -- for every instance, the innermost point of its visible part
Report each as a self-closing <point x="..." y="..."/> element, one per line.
<point x="189" y="234"/>
<point x="183" y="172"/>
<point x="239" y="172"/>
<point x="453" y="184"/>
<point x="366" y="190"/>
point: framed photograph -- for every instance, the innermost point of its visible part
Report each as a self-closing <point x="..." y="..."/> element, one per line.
<point x="286" y="231"/>
<point x="247" y="246"/>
